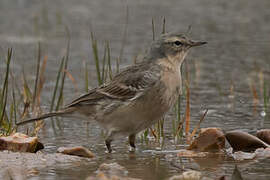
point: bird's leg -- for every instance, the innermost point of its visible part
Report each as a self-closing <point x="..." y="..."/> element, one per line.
<point x="131" y="139"/>
<point x="109" y="139"/>
<point x="108" y="145"/>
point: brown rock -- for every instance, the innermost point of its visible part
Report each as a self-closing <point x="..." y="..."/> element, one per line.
<point x="264" y="135"/>
<point x="20" y="143"/>
<point x="242" y="141"/>
<point x="76" y="151"/>
<point x="209" y="139"/>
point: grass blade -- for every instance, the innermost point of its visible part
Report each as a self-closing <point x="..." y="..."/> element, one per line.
<point x="86" y="76"/>
<point x="153" y="29"/>
<point x="153" y="132"/>
<point x="265" y="96"/>
<point x="103" y="75"/>
<point x="164" y="25"/>
<point x="109" y="60"/>
<point x="96" y="58"/>
<point x="4" y="92"/>
<point x="37" y="77"/>
<point x="60" y="98"/>
<point x="124" y="36"/>
<point x="69" y="75"/>
<point x="117" y="65"/>
<point x="27" y="97"/>
<point x="177" y="107"/>
<point x="57" y="82"/>
<point x="198" y="125"/>
<point x="255" y="97"/>
<point x="14" y="105"/>
<point x="41" y="80"/>
<point x="179" y="132"/>
<point x="187" y="109"/>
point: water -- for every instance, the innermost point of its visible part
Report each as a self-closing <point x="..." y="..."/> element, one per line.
<point x="222" y="73"/>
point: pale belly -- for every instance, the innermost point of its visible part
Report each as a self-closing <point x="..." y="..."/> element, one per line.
<point x="139" y="114"/>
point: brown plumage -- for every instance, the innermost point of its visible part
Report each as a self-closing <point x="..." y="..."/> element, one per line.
<point x="138" y="96"/>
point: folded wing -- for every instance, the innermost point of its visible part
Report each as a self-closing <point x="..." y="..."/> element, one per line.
<point x="127" y="85"/>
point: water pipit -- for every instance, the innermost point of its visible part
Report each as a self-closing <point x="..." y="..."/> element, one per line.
<point x="137" y="97"/>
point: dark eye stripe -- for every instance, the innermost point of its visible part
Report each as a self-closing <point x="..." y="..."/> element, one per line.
<point x="178" y="43"/>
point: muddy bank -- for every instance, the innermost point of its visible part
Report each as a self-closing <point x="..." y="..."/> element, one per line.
<point x="23" y="165"/>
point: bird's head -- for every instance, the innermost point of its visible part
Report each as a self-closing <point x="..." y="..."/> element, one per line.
<point x="173" y="46"/>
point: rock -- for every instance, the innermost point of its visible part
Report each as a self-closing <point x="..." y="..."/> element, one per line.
<point x="242" y="141"/>
<point x="112" y="171"/>
<point x="188" y="175"/>
<point x="262" y="153"/>
<point x="264" y="135"/>
<point x="76" y="151"/>
<point x="191" y="154"/>
<point x="240" y="156"/>
<point x="19" y="142"/>
<point x="209" y="139"/>
<point x="32" y="162"/>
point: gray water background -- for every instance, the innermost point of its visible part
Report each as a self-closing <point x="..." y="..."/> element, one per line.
<point x="238" y="36"/>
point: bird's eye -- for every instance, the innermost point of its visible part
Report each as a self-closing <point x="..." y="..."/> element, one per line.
<point x="177" y="43"/>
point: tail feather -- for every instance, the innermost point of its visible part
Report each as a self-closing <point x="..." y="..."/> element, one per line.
<point x="44" y="116"/>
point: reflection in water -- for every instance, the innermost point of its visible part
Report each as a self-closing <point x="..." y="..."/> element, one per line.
<point x="221" y="73"/>
<point x="236" y="174"/>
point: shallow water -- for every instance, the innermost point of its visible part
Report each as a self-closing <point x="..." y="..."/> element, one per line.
<point x="221" y="73"/>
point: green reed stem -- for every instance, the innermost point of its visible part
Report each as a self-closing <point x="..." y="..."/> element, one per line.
<point x="124" y="36"/>
<point x="109" y="60"/>
<point x="96" y="58"/>
<point x="57" y="82"/>
<point x="14" y="105"/>
<point x="103" y="75"/>
<point x="60" y="98"/>
<point x="4" y="93"/>
<point x="164" y="25"/>
<point x="153" y="29"/>
<point x="266" y="97"/>
<point x="37" y="77"/>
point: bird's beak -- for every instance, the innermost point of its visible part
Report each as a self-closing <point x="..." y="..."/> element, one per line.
<point x="197" y="43"/>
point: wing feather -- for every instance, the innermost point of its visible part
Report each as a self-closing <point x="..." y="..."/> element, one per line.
<point x="127" y="85"/>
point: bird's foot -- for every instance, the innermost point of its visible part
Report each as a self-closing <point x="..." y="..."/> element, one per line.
<point x="132" y="149"/>
<point x="131" y="139"/>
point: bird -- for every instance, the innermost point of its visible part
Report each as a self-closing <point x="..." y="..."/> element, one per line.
<point x="138" y="96"/>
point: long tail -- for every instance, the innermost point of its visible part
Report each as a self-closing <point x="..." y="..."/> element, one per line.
<point x="44" y="116"/>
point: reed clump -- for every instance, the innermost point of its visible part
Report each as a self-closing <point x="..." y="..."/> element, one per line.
<point x="21" y="102"/>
